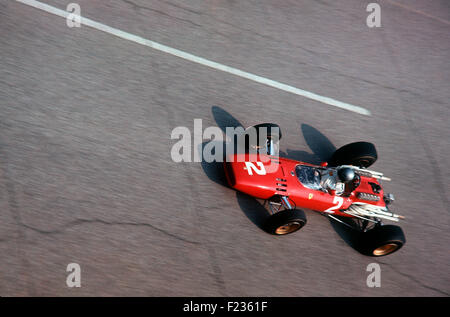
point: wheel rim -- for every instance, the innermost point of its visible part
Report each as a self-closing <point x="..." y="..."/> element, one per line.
<point x="385" y="249"/>
<point x="288" y="228"/>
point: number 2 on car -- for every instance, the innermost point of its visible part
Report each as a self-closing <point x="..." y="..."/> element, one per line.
<point x="250" y="167"/>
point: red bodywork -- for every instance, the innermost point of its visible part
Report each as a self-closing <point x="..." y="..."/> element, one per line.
<point x="246" y="174"/>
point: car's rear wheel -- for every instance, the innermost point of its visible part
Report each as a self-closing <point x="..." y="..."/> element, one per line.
<point x="260" y="145"/>
<point x="382" y="240"/>
<point x="361" y="154"/>
<point x="273" y="129"/>
<point x="285" y="222"/>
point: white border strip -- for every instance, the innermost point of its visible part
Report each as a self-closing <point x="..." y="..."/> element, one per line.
<point x="196" y="59"/>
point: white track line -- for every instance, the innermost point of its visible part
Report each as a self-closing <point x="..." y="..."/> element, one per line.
<point x="418" y="12"/>
<point x="196" y="59"/>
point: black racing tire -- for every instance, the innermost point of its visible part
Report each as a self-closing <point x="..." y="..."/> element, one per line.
<point x="361" y="154"/>
<point x="382" y="240"/>
<point x="285" y="222"/>
<point x="275" y="136"/>
<point x="269" y="126"/>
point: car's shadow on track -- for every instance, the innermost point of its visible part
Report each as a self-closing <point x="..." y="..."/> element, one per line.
<point x="251" y="207"/>
<point x="214" y="170"/>
<point x="350" y="236"/>
<point x="320" y="145"/>
<point x="322" y="149"/>
<point x="224" y="119"/>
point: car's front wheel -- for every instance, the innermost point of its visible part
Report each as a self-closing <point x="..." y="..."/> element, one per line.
<point x="285" y="222"/>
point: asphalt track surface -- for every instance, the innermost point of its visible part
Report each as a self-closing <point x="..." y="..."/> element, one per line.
<point x="85" y="169"/>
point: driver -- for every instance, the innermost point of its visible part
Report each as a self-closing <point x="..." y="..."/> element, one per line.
<point x="333" y="181"/>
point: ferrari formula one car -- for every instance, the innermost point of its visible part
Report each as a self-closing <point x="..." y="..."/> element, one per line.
<point x="341" y="187"/>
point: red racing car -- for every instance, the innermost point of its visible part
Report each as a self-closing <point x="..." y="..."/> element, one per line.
<point x="341" y="187"/>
